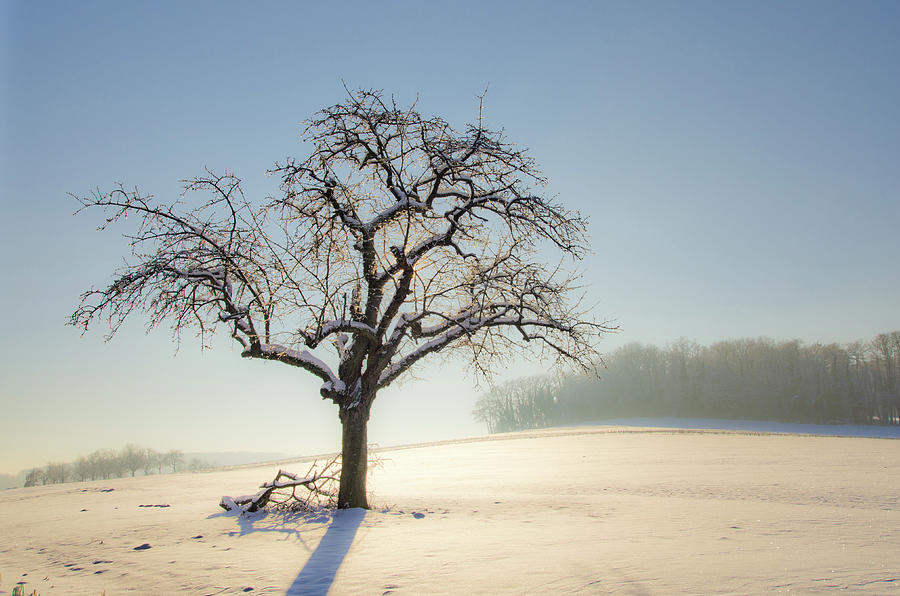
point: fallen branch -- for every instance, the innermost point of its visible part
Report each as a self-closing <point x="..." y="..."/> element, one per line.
<point x="282" y="491"/>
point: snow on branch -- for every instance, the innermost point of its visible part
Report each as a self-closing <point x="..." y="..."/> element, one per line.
<point x="282" y="491"/>
<point x="188" y="267"/>
<point x="338" y="326"/>
<point x="396" y="236"/>
<point x="469" y="326"/>
<point x="332" y="388"/>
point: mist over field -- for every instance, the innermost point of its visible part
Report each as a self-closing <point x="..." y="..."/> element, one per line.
<point x="748" y="379"/>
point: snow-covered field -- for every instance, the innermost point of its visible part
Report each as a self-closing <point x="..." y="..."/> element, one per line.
<point x="574" y="510"/>
<point x="830" y="430"/>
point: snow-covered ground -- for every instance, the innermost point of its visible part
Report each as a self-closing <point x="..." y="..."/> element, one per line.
<point x="830" y="430"/>
<point x="623" y="510"/>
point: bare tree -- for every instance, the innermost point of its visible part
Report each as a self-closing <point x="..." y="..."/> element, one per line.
<point x="133" y="457"/>
<point x="98" y="464"/>
<point x="529" y="402"/>
<point x="151" y="460"/>
<point x="173" y="458"/>
<point x="34" y="477"/>
<point x="396" y="238"/>
<point x="57" y="472"/>
<point x="105" y="463"/>
<point x="83" y="468"/>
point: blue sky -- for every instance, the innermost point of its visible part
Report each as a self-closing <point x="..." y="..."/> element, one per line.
<point x="738" y="161"/>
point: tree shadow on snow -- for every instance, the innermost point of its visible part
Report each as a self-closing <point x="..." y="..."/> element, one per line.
<point x="317" y="575"/>
<point x="289" y="523"/>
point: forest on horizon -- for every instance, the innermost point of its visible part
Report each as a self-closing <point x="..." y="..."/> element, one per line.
<point x="743" y="379"/>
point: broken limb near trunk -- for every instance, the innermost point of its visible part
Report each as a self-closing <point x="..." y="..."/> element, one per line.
<point x="318" y="483"/>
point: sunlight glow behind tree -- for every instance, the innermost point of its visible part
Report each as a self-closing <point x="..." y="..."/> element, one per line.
<point x="397" y="237"/>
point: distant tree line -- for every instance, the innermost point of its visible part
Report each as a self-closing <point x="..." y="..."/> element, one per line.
<point x="751" y="379"/>
<point x="108" y="463"/>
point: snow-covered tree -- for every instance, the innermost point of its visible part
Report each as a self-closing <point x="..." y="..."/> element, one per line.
<point x="396" y="238"/>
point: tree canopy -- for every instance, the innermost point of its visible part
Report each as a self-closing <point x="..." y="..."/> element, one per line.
<point x="396" y="237"/>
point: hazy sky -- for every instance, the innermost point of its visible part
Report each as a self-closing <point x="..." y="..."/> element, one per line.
<point x="740" y="163"/>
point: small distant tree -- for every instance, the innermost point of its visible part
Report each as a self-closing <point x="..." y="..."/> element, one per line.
<point x="107" y="463"/>
<point x="96" y="465"/>
<point x="35" y="477"/>
<point x="174" y="459"/>
<point x="151" y="461"/>
<point x="133" y="458"/>
<point x="82" y="468"/>
<point x="57" y="472"/>
<point x="396" y="238"/>
<point x="529" y="402"/>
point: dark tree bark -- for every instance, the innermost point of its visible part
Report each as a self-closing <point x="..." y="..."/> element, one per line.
<point x="354" y="458"/>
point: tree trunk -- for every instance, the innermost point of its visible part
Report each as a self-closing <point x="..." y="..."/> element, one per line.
<point x="354" y="459"/>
